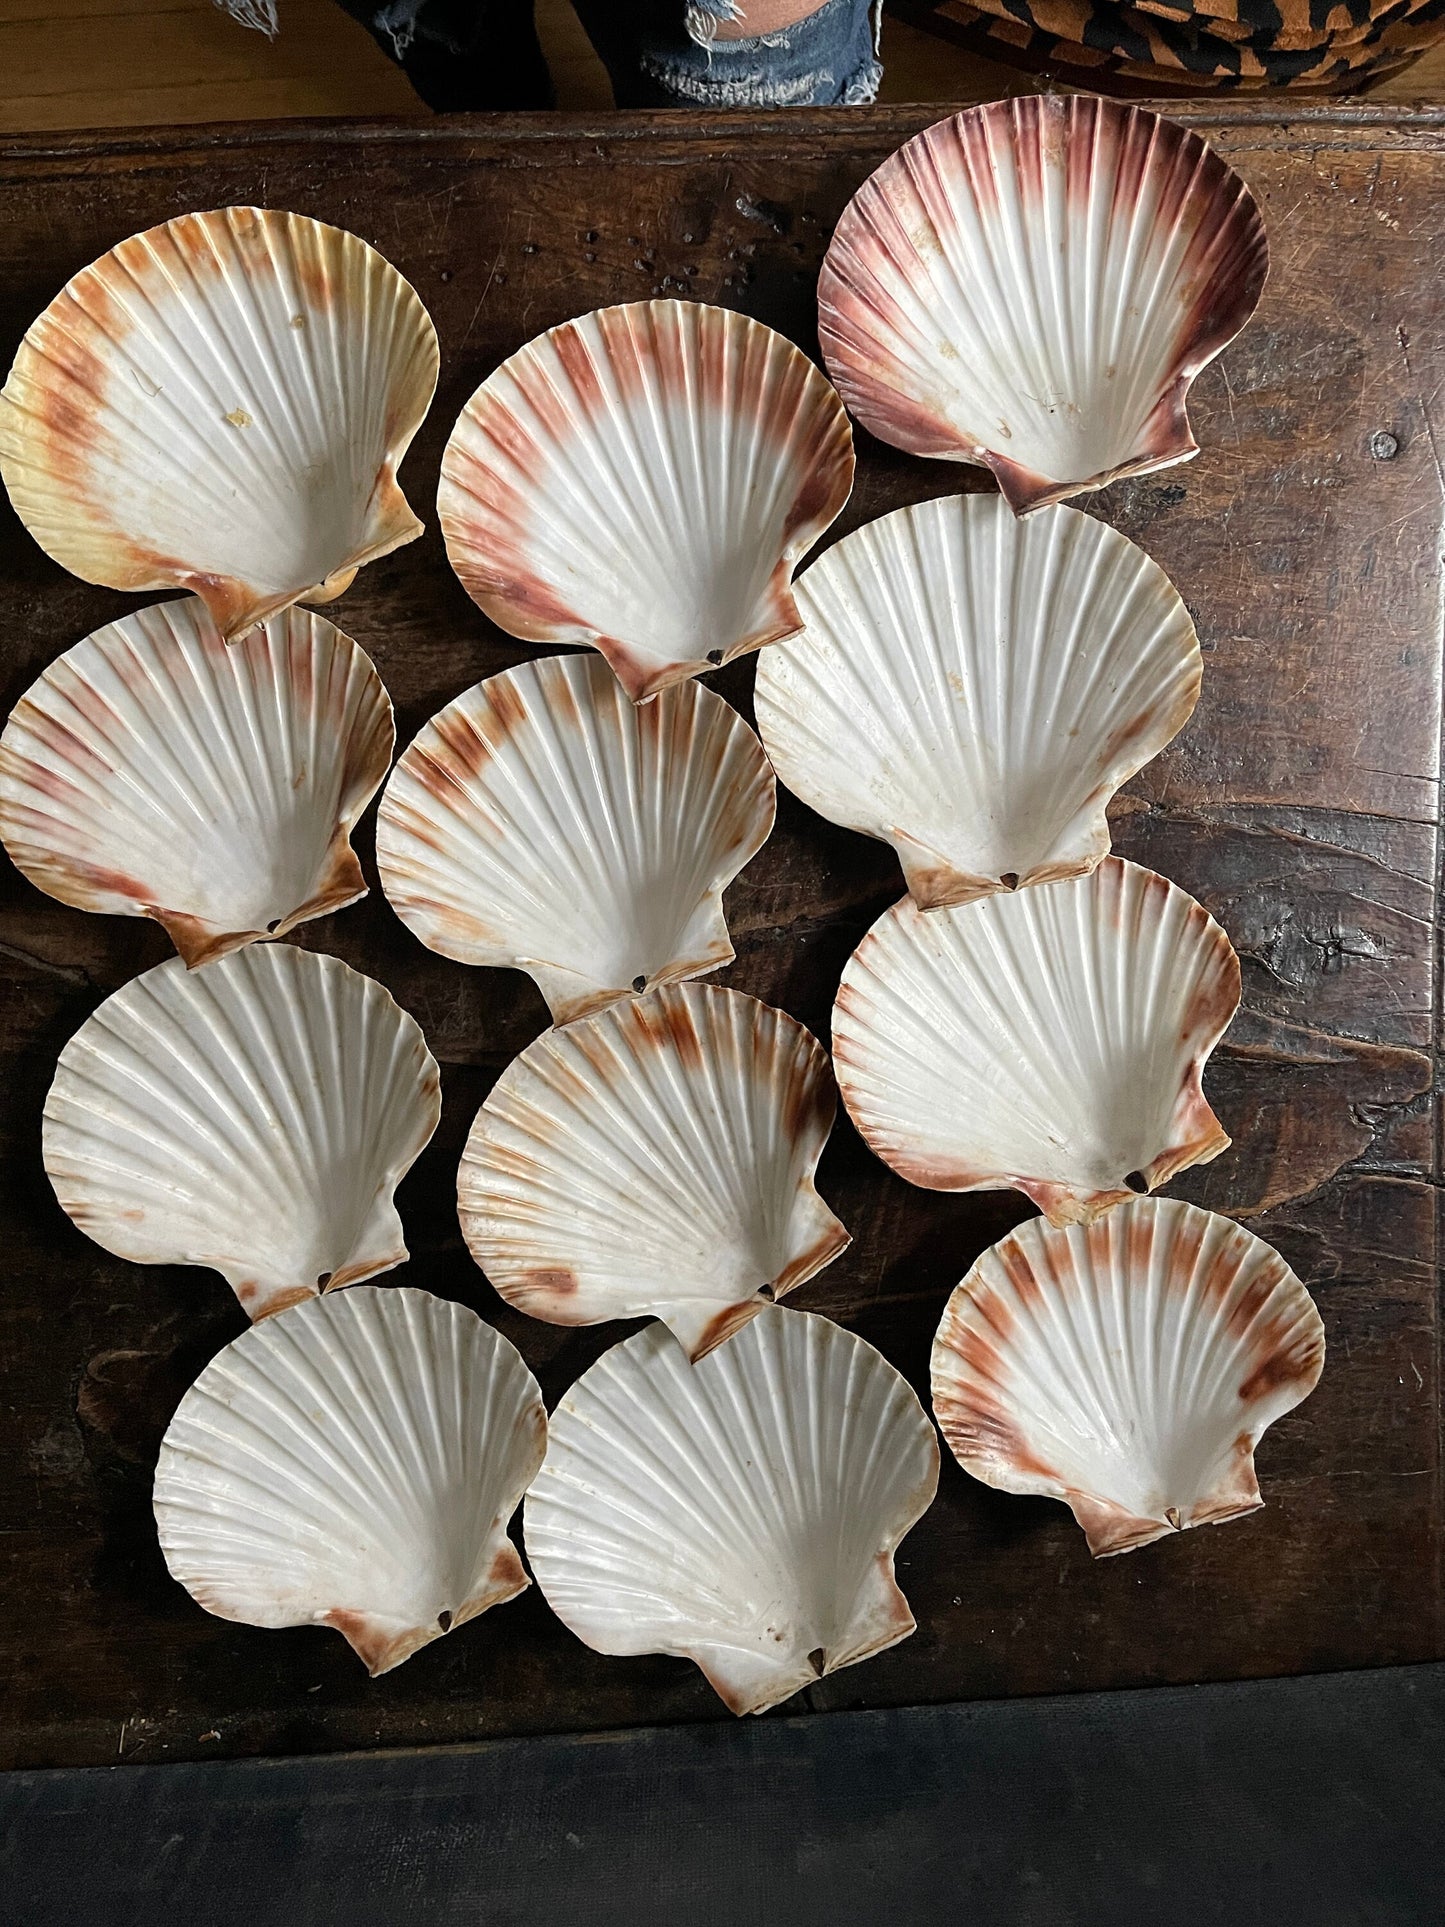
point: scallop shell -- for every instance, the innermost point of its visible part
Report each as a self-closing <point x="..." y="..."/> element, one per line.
<point x="541" y="821"/>
<point x="1052" y="1040"/>
<point x="255" y="1116"/>
<point x="743" y="1512"/>
<point x="973" y="689"/>
<point x="156" y="770"/>
<point x="642" y="481"/>
<point x="221" y="404"/>
<point x="353" y="1463"/>
<point x="1128" y="1368"/>
<point x="1034" y="284"/>
<point x="656" y="1159"/>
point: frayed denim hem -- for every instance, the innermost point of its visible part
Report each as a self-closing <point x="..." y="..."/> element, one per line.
<point x="690" y="87"/>
<point x="827" y="59"/>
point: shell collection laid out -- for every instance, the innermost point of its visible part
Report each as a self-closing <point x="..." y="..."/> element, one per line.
<point x="255" y="1116"/>
<point x="1053" y="1039"/>
<point x="743" y="1511"/>
<point x="973" y="689"/>
<point x="353" y="1463"/>
<point x="642" y="481"/>
<point x="657" y="1158"/>
<point x="1127" y="1367"/>
<point x="220" y="405"/>
<point x="157" y="770"/>
<point x="1034" y="284"/>
<point x="542" y="821"/>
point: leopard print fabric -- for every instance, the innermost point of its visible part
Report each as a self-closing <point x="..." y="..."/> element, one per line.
<point x="1188" y="46"/>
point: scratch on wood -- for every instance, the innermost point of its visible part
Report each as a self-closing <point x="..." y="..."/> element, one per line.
<point x="1404" y="340"/>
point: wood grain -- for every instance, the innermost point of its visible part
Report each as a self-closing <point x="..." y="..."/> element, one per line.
<point x="1299" y="805"/>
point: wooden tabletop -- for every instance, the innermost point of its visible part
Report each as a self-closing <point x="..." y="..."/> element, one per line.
<point x="1300" y="805"/>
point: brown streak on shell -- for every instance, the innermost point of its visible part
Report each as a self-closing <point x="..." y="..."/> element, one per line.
<point x="823" y="1250"/>
<point x="1287" y="1357"/>
<point x="374" y="1642"/>
<point x="664" y="1021"/>
<point x="728" y="1321"/>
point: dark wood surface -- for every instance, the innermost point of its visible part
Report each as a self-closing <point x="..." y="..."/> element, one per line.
<point x="1300" y="806"/>
<point x="1265" y="1803"/>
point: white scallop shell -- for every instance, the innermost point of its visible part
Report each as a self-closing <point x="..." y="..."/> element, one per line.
<point x="543" y="822"/>
<point x="221" y="404"/>
<point x="157" y="770"/>
<point x="973" y="689"/>
<point x="1052" y="1040"/>
<point x="1034" y="284"/>
<point x="642" y="480"/>
<point x="255" y="1116"/>
<point x="1128" y="1367"/>
<point x="655" y="1159"/>
<point x="742" y="1512"/>
<point x="353" y="1463"/>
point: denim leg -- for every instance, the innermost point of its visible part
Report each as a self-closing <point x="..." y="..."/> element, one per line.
<point x="460" y="55"/>
<point x="663" y="53"/>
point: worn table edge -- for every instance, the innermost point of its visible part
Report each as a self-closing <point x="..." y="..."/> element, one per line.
<point x="522" y="132"/>
<point x="1081" y="1707"/>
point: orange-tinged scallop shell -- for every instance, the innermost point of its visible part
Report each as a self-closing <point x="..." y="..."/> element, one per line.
<point x="1052" y="1040"/>
<point x="255" y="1116"/>
<point x="541" y="821"/>
<point x="221" y="404"/>
<point x="742" y="1512"/>
<point x="1128" y="1367"/>
<point x="642" y="480"/>
<point x="655" y="1158"/>
<point x="157" y="770"/>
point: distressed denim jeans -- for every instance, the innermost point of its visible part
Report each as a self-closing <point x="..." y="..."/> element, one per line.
<point x="478" y="54"/>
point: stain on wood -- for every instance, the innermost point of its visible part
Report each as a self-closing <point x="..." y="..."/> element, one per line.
<point x="1300" y="805"/>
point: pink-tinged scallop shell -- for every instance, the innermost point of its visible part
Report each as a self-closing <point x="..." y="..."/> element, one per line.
<point x="156" y="770"/>
<point x="973" y="689"/>
<point x="221" y="404"/>
<point x="255" y="1116"/>
<point x="1034" y="284"/>
<point x="1052" y="1040"/>
<point x="658" y="1159"/>
<point x="353" y="1463"/>
<point x="642" y="480"/>
<point x="742" y="1512"/>
<point x="542" y="821"/>
<point x="1128" y="1367"/>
